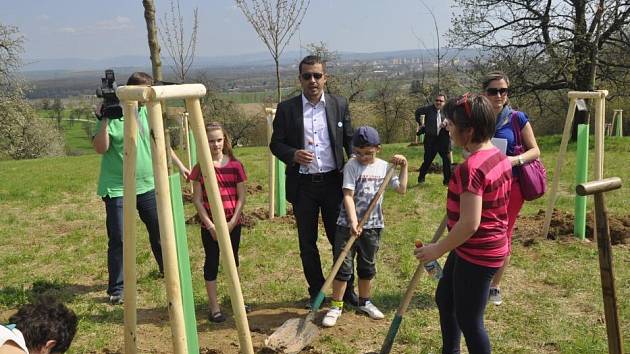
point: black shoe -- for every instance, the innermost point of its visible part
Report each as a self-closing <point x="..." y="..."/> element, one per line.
<point x="216" y="317"/>
<point x="116" y="299"/>
<point x="420" y="180"/>
<point x="351" y="299"/>
<point x="445" y="183"/>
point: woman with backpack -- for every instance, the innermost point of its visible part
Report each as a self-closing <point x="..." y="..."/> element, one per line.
<point x="496" y="88"/>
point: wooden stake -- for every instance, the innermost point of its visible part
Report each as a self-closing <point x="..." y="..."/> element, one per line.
<point x="167" y="232"/>
<point x="130" y="112"/>
<point x="272" y="162"/>
<point x="606" y="270"/>
<point x="187" y="146"/>
<point x="218" y="216"/>
<point x="551" y="200"/>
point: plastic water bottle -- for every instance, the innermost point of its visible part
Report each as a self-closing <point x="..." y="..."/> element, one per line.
<point x="433" y="267"/>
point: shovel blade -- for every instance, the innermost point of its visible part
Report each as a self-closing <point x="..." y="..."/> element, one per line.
<point x="292" y="336"/>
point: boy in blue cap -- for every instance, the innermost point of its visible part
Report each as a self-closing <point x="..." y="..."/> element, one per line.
<point x="362" y="176"/>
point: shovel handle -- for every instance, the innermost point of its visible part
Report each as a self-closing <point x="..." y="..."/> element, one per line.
<point x="344" y="252"/>
<point x="402" y="308"/>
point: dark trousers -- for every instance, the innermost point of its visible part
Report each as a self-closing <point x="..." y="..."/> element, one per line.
<point x="461" y="297"/>
<point x="315" y="195"/>
<point x="434" y="145"/>
<point x="211" y="249"/>
<point x="147" y="209"/>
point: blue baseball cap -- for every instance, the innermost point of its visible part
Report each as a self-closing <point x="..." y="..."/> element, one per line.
<point x="365" y="136"/>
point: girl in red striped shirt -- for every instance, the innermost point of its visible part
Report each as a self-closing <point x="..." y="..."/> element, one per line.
<point x="231" y="179"/>
<point x="478" y="195"/>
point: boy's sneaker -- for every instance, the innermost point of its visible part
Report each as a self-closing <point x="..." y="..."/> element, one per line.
<point x="495" y="296"/>
<point x="372" y="310"/>
<point x="115" y="299"/>
<point x="331" y="317"/>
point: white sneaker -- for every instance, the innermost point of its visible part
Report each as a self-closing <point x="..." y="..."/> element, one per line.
<point x="331" y="317"/>
<point x="495" y="296"/>
<point x="372" y="310"/>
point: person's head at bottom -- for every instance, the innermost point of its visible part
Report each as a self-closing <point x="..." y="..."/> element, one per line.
<point x="47" y="325"/>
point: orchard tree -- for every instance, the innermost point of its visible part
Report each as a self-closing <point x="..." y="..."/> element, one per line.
<point x="549" y="45"/>
<point x="275" y="22"/>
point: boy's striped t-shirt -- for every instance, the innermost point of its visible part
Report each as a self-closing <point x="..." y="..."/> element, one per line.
<point x="486" y="173"/>
<point x="228" y="177"/>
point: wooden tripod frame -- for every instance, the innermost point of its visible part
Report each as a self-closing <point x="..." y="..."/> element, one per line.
<point x="600" y="108"/>
<point x="151" y="96"/>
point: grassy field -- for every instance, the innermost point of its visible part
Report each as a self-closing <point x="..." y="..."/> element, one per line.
<point x="53" y="240"/>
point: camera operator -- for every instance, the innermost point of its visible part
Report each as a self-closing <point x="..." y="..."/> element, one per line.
<point x="108" y="141"/>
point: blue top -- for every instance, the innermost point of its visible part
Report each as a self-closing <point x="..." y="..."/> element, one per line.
<point x="504" y="127"/>
<point x="504" y="130"/>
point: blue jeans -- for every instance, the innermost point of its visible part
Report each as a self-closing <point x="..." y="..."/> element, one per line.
<point x="147" y="209"/>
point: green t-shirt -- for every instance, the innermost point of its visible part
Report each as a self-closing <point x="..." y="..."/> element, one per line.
<point x="110" y="182"/>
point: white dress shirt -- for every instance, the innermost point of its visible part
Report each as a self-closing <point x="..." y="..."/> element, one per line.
<point x="316" y="137"/>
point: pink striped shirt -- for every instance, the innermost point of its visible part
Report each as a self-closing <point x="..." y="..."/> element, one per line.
<point x="228" y="177"/>
<point x="486" y="173"/>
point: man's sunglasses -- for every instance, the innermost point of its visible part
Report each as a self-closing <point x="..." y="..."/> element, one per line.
<point x="492" y="91"/>
<point x="307" y="76"/>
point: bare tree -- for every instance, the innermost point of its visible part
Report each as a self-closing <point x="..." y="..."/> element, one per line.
<point x="393" y="110"/>
<point x="439" y="54"/>
<point x="549" y="45"/>
<point x="172" y="33"/>
<point x="275" y="22"/>
<point x="154" y="44"/>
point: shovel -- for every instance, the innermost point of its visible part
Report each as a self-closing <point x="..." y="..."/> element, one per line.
<point x="402" y="308"/>
<point x="297" y="333"/>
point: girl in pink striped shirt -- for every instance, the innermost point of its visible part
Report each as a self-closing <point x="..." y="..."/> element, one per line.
<point x="476" y="206"/>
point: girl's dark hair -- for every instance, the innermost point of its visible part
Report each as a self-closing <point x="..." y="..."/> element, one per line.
<point x="46" y="319"/>
<point x="492" y="76"/>
<point x="472" y="111"/>
<point x="140" y="78"/>
<point x="227" y="144"/>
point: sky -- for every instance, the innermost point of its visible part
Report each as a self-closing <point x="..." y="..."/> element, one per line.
<point x="91" y="29"/>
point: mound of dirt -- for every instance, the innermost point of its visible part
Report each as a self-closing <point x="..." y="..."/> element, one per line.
<point x="529" y="227"/>
<point x="254" y="188"/>
<point x="251" y="217"/>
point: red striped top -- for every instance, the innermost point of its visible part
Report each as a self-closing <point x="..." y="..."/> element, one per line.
<point x="228" y="177"/>
<point x="487" y="173"/>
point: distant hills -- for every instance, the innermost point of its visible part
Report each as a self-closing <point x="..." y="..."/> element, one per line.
<point x="40" y="65"/>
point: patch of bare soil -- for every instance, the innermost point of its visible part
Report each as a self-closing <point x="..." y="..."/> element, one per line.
<point x="254" y="188"/>
<point x="251" y="217"/>
<point x="528" y="228"/>
<point x="436" y="168"/>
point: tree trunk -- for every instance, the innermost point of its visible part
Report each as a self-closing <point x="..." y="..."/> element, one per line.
<point x="585" y="50"/>
<point x="277" y="61"/>
<point x="154" y="44"/>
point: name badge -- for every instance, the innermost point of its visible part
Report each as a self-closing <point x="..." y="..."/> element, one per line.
<point x="340" y="124"/>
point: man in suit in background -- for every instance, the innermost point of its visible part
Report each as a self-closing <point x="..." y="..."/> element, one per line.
<point x="310" y="133"/>
<point x="436" y="139"/>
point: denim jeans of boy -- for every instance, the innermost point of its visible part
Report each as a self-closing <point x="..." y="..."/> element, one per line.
<point x="147" y="209"/>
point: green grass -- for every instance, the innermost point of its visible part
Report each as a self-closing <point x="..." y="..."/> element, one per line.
<point x="53" y="240"/>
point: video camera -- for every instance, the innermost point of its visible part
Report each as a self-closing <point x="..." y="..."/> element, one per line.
<point x="111" y="107"/>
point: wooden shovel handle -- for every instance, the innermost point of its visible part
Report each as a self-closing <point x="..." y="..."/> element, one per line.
<point x="419" y="270"/>
<point x="353" y="237"/>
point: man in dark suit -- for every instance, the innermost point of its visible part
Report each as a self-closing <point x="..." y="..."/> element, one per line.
<point x="436" y="139"/>
<point x="310" y="133"/>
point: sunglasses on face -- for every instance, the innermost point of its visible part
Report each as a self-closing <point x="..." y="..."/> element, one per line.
<point x="493" y="91"/>
<point x="307" y="76"/>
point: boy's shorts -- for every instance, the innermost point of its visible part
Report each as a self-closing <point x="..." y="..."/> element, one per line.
<point x="365" y="248"/>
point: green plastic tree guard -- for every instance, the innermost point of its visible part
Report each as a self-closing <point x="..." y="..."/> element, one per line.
<point x="193" y="149"/>
<point x="281" y="201"/>
<point x="183" y="262"/>
<point x="581" y="174"/>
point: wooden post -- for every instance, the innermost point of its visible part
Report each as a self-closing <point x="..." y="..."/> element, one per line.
<point x="187" y="146"/>
<point x="618" y="127"/>
<point x="606" y="270"/>
<point x="551" y="200"/>
<point x="218" y="215"/>
<point x="167" y="232"/>
<point x="272" y="170"/>
<point x="130" y="112"/>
